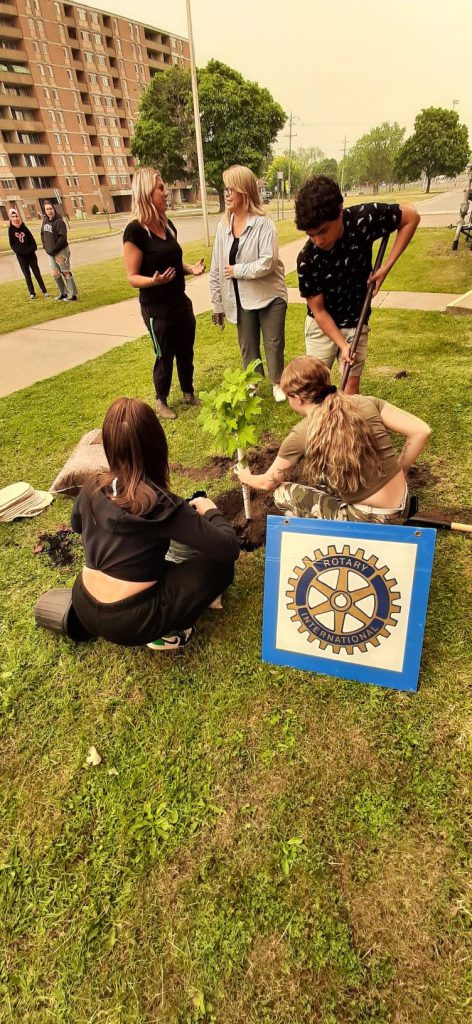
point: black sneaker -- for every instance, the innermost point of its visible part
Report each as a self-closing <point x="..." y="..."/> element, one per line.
<point x="72" y="298"/>
<point x="60" y="298"/>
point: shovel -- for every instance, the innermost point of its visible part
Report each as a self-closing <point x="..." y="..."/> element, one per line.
<point x="364" y="310"/>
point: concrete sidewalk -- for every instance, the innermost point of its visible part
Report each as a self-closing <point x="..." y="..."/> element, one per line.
<point x="36" y="353"/>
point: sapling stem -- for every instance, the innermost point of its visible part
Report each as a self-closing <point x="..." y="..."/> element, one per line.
<point x="245" y="489"/>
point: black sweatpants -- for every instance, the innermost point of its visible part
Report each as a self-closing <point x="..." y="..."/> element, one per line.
<point x="28" y="264"/>
<point x="172" y="337"/>
<point x="174" y="603"/>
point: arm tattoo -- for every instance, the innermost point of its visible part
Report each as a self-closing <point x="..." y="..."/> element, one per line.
<point x="275" y="476"/>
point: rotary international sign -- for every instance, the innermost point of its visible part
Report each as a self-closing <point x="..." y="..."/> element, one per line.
<point x="347" y="599"/>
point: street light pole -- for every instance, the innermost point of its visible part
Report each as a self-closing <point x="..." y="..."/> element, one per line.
<point x="198" y="132"/>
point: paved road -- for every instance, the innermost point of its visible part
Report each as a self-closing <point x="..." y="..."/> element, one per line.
<point x="190" y="228"/>
<point x="52" y="347"/>
<point x="440" y="211"/>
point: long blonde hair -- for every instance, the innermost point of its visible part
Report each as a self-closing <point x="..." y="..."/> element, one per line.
<point x="341" y="449"/>
<point x="244" y="181"/>
<point x="144" y="182"/>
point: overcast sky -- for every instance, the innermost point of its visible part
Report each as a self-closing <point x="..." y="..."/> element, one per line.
<point x="342" y="67"/>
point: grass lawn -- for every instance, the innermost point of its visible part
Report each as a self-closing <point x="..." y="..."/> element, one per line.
<point x="258" y="845"/>
<point x="428" y="265"/>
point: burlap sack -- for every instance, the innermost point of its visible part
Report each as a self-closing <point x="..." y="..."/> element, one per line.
<point x="87" y="459"/>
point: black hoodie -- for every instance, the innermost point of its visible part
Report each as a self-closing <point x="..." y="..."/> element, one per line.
<point x="21" y="240"/>
<point x="133" y="548"/>
<point x="54" y="235"/>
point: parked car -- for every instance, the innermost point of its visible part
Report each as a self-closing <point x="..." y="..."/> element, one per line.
<point x="266" y="195"/>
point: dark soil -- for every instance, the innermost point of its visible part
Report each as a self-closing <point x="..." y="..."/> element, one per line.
<point x="251" y="534"/>
<point x="212" y="470"/>
<point x="421" y="476"/>
<point x="57" y="546"/>
<point x="400" y="374"/>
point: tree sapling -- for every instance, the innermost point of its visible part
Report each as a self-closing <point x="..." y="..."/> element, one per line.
<point x="230" y="413"/>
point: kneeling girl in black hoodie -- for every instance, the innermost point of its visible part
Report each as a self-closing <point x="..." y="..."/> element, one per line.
<point x="128" y="592"/>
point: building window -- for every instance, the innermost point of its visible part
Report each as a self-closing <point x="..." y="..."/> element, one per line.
<point x="47" y="94"/>
<point x="66" y="54"/>
<point x="7" y="182"/>
<point x="101" y="60"/>
<point x="85" y="37"/>
<point x="68" y="182"/>
<point x="41" y="70"/>
<point x="106" y="142"/>
<point x="106" y="82"/>
<point x="113" y="179"/>
<point x="116" y="142"/>
<point x="45" y="51"/>
<point x="82" y="14"/>
<point x="101" y="121"/>
<point x="62" y="35"/>
<point x="98" y="39"/>
<point x="108" y="101"/>
<point x="94" y="18"/>
<point x="118" y="45"/>
<point x="51" y="73"/>
<point x="55" y="95"/>
<point x="124" y="179"/>
<point x="93" y="180"/>
<point x="64" y="161"/>
<point x="32" y="26"/>
<point x="70" y="75"/>
<point x="58" y="10"/>
<point x="52" y="115"/>
<point x="58" y="143"/>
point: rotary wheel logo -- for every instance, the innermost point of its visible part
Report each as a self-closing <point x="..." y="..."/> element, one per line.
<point x="343" y="600"/>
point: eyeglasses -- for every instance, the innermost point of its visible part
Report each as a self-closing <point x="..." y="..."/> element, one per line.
<point x="229" y="191"/>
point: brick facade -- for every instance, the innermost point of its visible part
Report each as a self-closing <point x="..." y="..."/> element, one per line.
<point x="70" y="81"/>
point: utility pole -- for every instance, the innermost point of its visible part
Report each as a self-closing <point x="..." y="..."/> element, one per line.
<point x="342" y="168"/>
<point x="198" y="131"/>
<point x="290" y="136"/>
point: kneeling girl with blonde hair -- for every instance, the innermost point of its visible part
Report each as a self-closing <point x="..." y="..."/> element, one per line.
<point x="350" y="468"/>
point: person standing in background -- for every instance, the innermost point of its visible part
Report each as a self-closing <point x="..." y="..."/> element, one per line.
<point x="54" y="239"/>
<point x="24" y="245"/>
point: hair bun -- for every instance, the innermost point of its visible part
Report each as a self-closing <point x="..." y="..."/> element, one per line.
<point x="330" y="389"/>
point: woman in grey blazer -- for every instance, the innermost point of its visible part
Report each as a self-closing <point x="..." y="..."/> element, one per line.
<point x="247" y="278"/>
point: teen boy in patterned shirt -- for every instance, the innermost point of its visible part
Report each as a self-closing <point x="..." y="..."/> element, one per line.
<point x="335" y="267"/>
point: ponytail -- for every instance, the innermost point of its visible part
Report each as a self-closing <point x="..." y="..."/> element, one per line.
<point x="340" y="449"/>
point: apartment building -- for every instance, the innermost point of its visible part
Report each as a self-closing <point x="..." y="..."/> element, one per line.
<point x="70" y="81"/>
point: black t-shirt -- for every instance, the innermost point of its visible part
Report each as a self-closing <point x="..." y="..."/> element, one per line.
<point x="341" y="274"/>
<point x="164" y="300"/>
<point x="233" y="252"/>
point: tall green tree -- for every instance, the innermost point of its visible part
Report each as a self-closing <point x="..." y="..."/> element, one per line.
<point x="439" y="145"/>
<point x="308" y="158"/>
<point x="281" y="163"/>
<point x="328" y="165"/>
<point x="239" y="122"/>
<point x="164" y="133"/>
<point x="372" y="158"/>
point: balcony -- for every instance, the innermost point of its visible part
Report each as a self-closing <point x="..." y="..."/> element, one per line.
<point x="12" y="54"/>
<point x="11" y="123"/>
<point x="10" y="32"/>
<point x="68" y="20"/>
<point x="8" y="9"/>
<point x="16" y="77"/>
<point x="46" y="170"/>
<point x="21" y="102"/>
<point x="86" y="108"/>
<point x="77" y="65"/>
<point x="27" y="147"/>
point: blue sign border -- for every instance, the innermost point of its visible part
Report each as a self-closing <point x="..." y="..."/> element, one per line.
<point x="424" y="539"/>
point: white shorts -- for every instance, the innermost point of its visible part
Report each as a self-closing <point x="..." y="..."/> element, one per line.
<point x="318" y="344"/>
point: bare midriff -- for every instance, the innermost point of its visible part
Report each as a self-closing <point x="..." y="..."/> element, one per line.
<point x="108" y="589"/>
<point x="391" y="495"/>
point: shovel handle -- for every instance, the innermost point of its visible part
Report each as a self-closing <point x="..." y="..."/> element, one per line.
<point x="364" y="311"/>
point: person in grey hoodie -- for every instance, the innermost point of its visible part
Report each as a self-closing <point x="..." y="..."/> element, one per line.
<point x="23" y="244"/>
<point x="54" y="239"/>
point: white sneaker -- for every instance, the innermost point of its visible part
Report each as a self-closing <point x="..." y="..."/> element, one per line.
<point x="278" y="393"/>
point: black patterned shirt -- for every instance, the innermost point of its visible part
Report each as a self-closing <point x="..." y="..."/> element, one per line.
<point x="340" y="275"/>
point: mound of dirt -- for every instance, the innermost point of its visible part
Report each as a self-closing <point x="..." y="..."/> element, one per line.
<point x="251" y="534"/>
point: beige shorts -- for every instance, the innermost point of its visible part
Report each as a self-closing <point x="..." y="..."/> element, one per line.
<point x="318" y="344"/>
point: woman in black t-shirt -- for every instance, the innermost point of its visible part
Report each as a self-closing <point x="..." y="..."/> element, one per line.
<point x="154" y="264"/>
